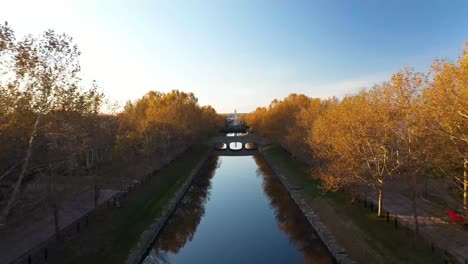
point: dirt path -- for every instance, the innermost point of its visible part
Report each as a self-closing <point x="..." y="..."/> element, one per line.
<point x="433" y="225"/>
<point x="15" y="242"/>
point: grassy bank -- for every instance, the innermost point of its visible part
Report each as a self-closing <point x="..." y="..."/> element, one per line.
<point x="113" y="232"/>
<point x="368" y="239"/>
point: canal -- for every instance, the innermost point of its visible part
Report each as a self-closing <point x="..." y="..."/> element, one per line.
<point x="236" y="211"/>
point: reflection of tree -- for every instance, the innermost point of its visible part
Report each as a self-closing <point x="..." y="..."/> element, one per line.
<point x="182" y="224"/>
<point x="156" y="258"/>
<point x="290" y="219"/>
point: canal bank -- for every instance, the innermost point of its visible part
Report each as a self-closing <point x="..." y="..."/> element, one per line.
<point x="115" y="230"/>
<point x="339" y="253"/>
<point x="148" y="236"/>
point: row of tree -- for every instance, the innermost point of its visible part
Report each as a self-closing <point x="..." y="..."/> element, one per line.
<point x="415" y="124"/>
<point x="54" y="134"/>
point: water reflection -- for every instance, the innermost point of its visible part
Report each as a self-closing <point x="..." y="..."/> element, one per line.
<point x="220" y="146"/>
<point x="183" y="223"/>
<point x="250" y="146"/>
<point x="236" y="134"/>
<point x="241" y="215"/>
<point x="290" y="219"/>
<point x="235" y="146"/>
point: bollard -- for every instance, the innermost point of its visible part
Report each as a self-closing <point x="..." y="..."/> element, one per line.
<point x="432" y="246"/>
<point x="396" y="223"/>
<point x="388" y="218"/>
<point x="78" y="227"/>
<point x="365" y="203"/>
<point x="372" y="206"/>
<point x="29" y="259"/>
<point x="87" y="220"/>
<point x="46" y="254"/>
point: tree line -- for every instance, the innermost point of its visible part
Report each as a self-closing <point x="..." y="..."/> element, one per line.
<point x="413" y="126"/>
<point x="54" y="137"/>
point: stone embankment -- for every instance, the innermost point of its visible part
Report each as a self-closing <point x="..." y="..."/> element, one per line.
<point x="147" y="237"/>
<point x="339" y="253"/>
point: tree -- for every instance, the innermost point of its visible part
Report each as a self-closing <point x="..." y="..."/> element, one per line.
<point x="46" y="83"/>
<point x="404" y="97"/>
<point x="355" y="140"/>
<point x="447" y="100"/>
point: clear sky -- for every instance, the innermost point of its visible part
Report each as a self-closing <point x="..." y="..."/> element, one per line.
<point x="244" y="53"/>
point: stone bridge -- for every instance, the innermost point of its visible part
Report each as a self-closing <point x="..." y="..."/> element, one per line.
<point x="241" y="139"/>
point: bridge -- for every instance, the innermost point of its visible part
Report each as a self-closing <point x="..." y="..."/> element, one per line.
<point x="243" y="140"/>
<point x="240" y="128"/>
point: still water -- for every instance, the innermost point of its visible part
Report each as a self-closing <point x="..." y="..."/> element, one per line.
<point x="236" y="211"/>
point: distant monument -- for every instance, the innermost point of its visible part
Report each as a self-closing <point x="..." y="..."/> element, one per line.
<point x="235" y="122"/>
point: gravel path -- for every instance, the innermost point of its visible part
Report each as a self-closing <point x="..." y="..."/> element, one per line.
<point x="445" y="235"/>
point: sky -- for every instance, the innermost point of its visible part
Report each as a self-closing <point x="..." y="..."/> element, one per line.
<point x="241" y="54"/>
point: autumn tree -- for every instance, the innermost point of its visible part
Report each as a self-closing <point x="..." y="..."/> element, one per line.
<point x="404" y="99"/>
<point x="447" y="100"/>
<point x="159" y="122"/>
<point x="44" y="83"/>
<point x="355" y="140"/>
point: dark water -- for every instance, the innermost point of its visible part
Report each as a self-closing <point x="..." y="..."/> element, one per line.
<point x="237" y="212"/>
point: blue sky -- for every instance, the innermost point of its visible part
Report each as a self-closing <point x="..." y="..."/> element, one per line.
<point x="242" y="54"/>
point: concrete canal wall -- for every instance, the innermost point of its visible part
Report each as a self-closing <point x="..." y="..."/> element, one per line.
<point x="338" y="252"/>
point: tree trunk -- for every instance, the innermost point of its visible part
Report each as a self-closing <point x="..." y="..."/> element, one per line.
<point x="426" y="180"/>
<point x="465" y="184"/>
<point x="56" y="220"/>
<point x="379" y="210"/>
<point x="96" y="194"/>
<point x="414" y="206"/>
<point x="24" y="167"/>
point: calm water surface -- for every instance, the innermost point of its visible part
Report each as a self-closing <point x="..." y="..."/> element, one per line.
<point x="237" y="212"/>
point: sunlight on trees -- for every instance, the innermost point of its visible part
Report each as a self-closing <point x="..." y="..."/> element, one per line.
<point x="54" y="135"/>
<point x="413" y="126"/>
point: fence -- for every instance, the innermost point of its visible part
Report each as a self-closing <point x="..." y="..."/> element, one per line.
<point x="401" y="226"/>
<point x="42" y="251"/>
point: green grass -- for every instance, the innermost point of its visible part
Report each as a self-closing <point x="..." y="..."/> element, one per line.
<point x="369" y="239"/>
<point x="114" y="232"/>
